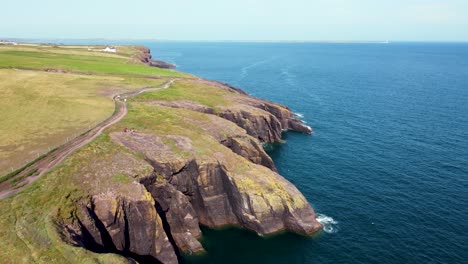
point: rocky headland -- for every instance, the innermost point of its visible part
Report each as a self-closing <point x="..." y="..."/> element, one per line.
<point x="203" y="164"/>
<point x="144" y="56"/>
<point x="185" y="155"/>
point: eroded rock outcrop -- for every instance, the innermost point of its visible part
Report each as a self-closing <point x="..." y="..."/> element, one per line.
<point x="145" y="56"/>
<point x="284" y="115"/>
<point x="126" y="225"/>
<point x="224" y="189"/>
<point x="258" y="123"/>
<point x="250" y="149"/>
<point x="177" y="210"/>
<point x="262" y="119"/>
<point x="118" y="215"/>
<point x="200" y="164"/>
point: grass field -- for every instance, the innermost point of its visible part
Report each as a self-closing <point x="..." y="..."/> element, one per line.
<point x="40" y="110"/>
<point x="96" y="50"/>
<point x="38" y="60"/>
<point x="197" y="92"/>
<point x="28" y="229"/>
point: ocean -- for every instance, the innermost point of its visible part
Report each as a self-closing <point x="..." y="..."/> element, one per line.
<point x="386" y="169"/>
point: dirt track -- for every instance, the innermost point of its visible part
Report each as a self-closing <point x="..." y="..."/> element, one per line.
<point x="53" y="158"/>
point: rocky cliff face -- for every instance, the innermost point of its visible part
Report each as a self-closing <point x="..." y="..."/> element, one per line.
<point x="249" y="148"/>
<point x="128" y="226"/>
<point x="189" y="164"/>
<point x="145" y="56"/>
<point x="261" y="119"/>
<point x="213" y="191"/>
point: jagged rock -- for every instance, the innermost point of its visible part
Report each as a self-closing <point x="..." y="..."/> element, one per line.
<point x="261" y="119"/>
<point x="186" y="104"/>
<point x="128" y="225"/>
<point x="178" y="212"/>
<point x="224" y="189"/>
<point x="248" y="148"/>
<point x="258" y="123"/>
<point x="144" y="194"/>
<point x="218" y="176"/>
<point x="161" y="64"/>
<point x="282" y="113"/>
<point x="145" y="57"/>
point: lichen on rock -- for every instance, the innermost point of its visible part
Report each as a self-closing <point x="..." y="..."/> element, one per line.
<point x="187" y="162"/>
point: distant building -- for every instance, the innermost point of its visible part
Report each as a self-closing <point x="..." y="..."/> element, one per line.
<point x="5" y="42"/>
<point x="110" y="49"/>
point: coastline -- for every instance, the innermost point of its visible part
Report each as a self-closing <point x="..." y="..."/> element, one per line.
<point x="184" y="156"/>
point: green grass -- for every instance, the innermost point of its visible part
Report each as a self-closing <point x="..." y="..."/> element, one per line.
<point x="95" y="50"/>
<point x="15" y="181"/>
<point x="122" y="178"/>
<point x="186" y="90"/>
<point x="29" y="220"/>
<point x="202" y="131"/>
<point x="39" y="60"/>
<point x="41" y="110"/>
<point x="200" y="128"/>
<point x="123" y="51"/>
<point x="17" y="171"/>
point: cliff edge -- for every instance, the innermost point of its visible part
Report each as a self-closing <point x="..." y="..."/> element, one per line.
<point x="205" y="165"/>
<point x="185" y="155"/>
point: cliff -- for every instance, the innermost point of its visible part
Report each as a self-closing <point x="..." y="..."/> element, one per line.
<point x="144" y="56"/>
<point x="186" y="154"/>
<point x="205" y="166"/>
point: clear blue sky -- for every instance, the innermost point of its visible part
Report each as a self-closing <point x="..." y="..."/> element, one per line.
<point x="419" y="20"/>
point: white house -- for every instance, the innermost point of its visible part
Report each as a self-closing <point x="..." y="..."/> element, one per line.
<point x="110" y="49"/>
<point x="4" y="42"/>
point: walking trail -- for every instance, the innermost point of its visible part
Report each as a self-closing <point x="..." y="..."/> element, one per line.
<point x="53" y="158"/>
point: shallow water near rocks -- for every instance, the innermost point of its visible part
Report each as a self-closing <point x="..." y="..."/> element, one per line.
<point x="387" y="167"/>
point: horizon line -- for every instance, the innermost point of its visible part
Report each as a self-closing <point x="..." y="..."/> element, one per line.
<point x="389" y="41"/>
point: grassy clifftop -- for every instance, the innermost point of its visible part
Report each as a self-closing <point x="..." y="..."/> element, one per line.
<point x="51" y="93"/>
<point x="80" y="59"/>
<point x="190" y="151"/>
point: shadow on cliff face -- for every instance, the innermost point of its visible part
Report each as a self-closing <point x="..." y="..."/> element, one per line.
<point x="167" y="229"/>
<point x="156" y="217"/>
<point x="84" y="238"/>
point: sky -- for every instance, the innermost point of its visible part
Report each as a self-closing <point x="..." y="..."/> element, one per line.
<point x="256" y="20"/>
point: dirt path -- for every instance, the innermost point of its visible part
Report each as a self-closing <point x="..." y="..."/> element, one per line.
<point x="52" y="159"/>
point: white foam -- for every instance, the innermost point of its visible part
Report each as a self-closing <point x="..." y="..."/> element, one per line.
<point x="299" y="115"/>
<point x="329" y="224"/>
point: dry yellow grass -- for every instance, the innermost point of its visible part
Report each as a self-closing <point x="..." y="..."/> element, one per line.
<point x="41" y="110"/>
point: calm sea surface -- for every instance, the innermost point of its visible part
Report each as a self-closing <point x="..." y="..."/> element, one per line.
<point x="387" y="167"/>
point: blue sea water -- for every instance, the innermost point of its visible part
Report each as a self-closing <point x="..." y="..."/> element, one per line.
<point x="387" y="166"/>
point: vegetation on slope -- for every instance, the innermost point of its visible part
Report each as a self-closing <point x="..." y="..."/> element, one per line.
<point x="40" y="110"/>
<point x="83" y="62"/>
<point x="28" y="220"/>
<point x="199" y="92"/>
<point x="44" y="107"/>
